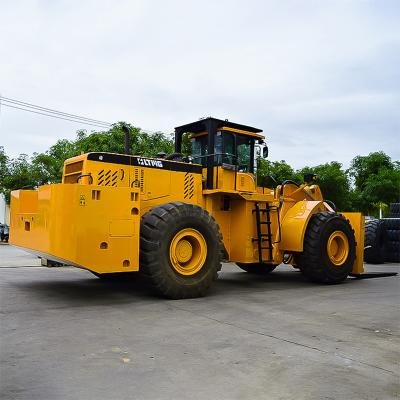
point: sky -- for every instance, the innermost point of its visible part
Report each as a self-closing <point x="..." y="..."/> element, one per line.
<point x="321" y="78"/>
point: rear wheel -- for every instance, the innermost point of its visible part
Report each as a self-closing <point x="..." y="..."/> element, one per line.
<point x="180" y="250"/>
<point x="256" y="268"/>
<point x="329" y="248"/>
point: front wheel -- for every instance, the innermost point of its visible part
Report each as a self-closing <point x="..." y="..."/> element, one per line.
<point x="180" y="250"/>
<point x="329" y="248"/>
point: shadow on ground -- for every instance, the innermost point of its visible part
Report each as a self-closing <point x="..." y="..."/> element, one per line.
<point x="78" y="288"/>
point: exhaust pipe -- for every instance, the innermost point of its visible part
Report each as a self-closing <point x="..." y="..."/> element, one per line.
<point x="127" y="146"/>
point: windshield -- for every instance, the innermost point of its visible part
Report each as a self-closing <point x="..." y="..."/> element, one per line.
<point x="229" y="148"/>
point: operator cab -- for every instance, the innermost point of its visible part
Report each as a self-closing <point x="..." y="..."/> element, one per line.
<point x="232" y="145"/>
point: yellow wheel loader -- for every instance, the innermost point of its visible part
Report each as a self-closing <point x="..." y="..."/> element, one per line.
<point x="174" y="219"/>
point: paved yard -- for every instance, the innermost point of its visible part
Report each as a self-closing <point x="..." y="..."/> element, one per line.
<point x="66" y="334"/>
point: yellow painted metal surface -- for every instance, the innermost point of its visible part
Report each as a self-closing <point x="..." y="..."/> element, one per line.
<point x="73" y="169"/>
<point x="337" y="248"/>
<point x="92" y="220"/>
<point x="188" y="251"/>
<point x="294" y="224"/>
<point x="228" y="179"/>
<point x="358" y="224"/>
<point x="242" y="230"/>
<point x="68" y="222"/>
<point x="240" y="131"/>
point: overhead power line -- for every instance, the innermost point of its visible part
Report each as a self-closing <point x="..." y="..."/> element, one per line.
<point x="33" y="108"/>
<point x="50" y="110"/>
<point x="53" y="116"/>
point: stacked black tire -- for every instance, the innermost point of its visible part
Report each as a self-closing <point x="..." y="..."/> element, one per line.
<point x="382" y="238"/>
<point x="392" y="228"/>
<point x="375" y="239"/>
<point x="395" y="210"/>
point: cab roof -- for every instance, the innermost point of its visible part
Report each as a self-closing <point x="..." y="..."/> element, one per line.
<point x="203" y="124"/>
<point x="211" y="126"/>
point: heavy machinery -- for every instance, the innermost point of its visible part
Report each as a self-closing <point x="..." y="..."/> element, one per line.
<point x="175" y="219"/>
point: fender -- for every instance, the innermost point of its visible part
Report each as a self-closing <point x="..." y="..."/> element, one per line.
<point x="295" y="222"/>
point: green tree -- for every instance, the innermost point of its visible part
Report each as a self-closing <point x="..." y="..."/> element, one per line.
<point x="278" y="170"/>
<point x="334" y="183"/>
<point x="362" y="167"/>
<point x="142" y="143"/>
<point x="19" y="175"/>
<point x="3" y="164"/>
<point x="3" y="172"/>
<point x="47" y="167"/>
<point x="376" y="181"/>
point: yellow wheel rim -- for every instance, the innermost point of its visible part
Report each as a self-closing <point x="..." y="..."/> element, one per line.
<point x="188" y="251"/>
<point x="338" y="248"/>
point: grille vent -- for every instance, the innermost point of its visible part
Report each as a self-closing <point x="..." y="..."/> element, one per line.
<point x="72" y="172"/>
<point x="107" y="177"/>
<point x="138" y="179"/>
<point x="74" y="168"/>
<point x="188" y="186"/>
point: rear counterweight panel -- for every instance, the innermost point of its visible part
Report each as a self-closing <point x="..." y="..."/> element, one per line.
<point x="93" y="227"/>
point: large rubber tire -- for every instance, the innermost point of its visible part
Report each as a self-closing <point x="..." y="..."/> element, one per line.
<point x="392" y="257"/>
<point x="327" y="229"/>
<point x="393" y="235"/>
<point x="392" y="246"/>
<point x="158" y="232"/>
<point x="394" y="208"/>
<point x="375" y="238"/>
<point x="391" y="223"/>
<point x="256" y="268"/>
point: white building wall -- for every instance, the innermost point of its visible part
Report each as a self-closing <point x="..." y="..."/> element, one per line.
<point x="7" y="215"/>
<point x="2" y="208"/>
<point x="4" y="211"/>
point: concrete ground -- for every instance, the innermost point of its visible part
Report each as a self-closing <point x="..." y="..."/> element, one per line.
<point x="66" y="334"/>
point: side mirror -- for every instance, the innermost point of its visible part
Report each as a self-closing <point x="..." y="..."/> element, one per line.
<point x="265" y="151"/>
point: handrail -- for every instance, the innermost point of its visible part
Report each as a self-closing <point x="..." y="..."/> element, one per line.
<point x="82" y="176"/>
<point x="215" y="154"/>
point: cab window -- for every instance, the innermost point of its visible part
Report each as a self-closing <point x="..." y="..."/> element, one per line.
<point x="199" y="150"/>
<point x="224" y="148"/>
<point x="229" y="149"/>
<point x="244" y="160"/>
